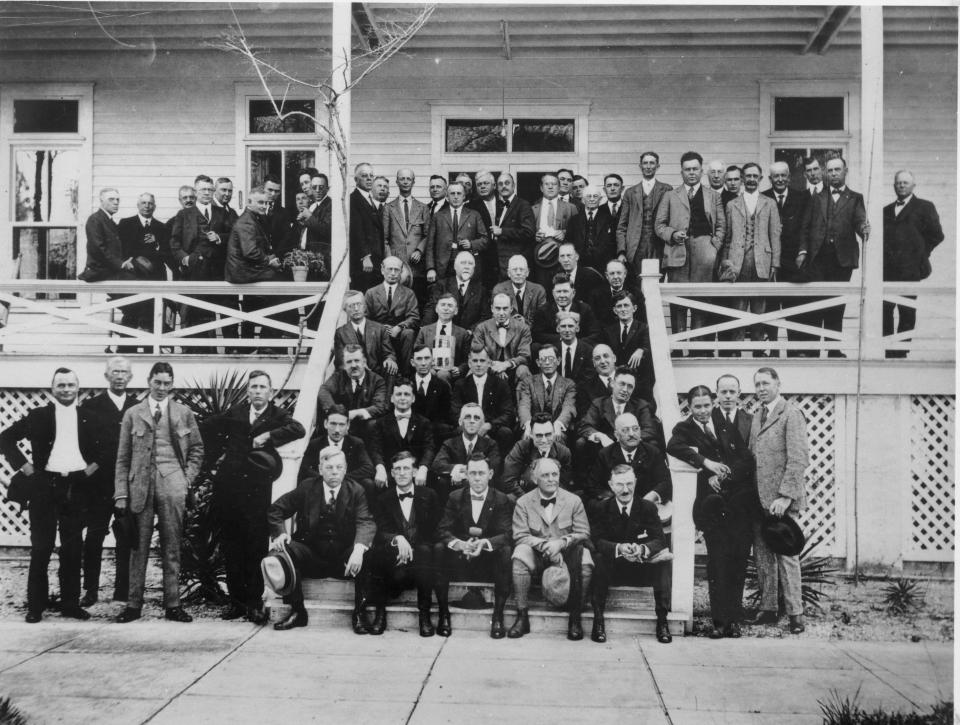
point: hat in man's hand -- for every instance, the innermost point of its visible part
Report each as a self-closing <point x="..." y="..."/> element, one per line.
<point x="782" y="534"/>
<point x="547" y="253"/>
<point x="142" y="266"/>
<point x="266" y="463"/>
<point x="124" y="529"/>
<point x="556" y="584"/>
<point x="278" y="570"/>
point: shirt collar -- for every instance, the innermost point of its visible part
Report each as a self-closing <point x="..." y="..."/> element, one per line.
<point x="694" y="189"/>
<point x="144" y="220"/>
<point x="118" y="400"/>
<point x="480" y="379"/>
<point x="61" y="407"/>
<point x="905" y="201"/>
<point x="164" y="404"/>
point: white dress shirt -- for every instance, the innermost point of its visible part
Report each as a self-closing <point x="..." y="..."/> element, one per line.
<point x="118" y="400"/>
<point x="65" y="456"/>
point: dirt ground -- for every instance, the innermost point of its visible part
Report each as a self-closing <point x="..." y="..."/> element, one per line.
<point x="850" y="611"/>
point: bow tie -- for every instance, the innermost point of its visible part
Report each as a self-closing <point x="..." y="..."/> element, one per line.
<point x="402" y="496"/>
<point x="403" y="416"/>
<point x="503" y="326"/>
<point x="547" y="501"/>
<point x="506" y="203"/>
<point x="900" y="203"/>
<point x="474" y="497"/>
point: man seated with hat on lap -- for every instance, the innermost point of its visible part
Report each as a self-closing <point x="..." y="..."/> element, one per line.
<point x="550" y="527"/>
<point x="334" y="532"/>
<point x="247" y="436"/>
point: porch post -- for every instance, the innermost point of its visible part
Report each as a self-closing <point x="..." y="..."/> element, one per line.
<point x="341" y="38"/>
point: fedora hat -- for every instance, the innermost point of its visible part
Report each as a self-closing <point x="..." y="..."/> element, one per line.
<point x="143" y="266"/>
<point x="782" y="534"/>
<point x="547" y="253"/>
<point x="265" y="462"/>
<point x="556" y="584"/>
<point x="124" y="529"/>
<point x="278" y="570"/>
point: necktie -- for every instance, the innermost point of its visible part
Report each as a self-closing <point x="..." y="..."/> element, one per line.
<point x="763" y="416"/>
<point x="547" y="501"/>
<point x="607" y="383"/>
<point x="549" y="387"/>
<point x="628" y="457"/>
<point x="463" y="291"/>
<point x="590" y="217"/>
<point x="624" y="514"/>
<point x="780" y="202"/>
<point x="331" y="498"/>
<point x="690" y="194"/>
<point x="359" y="334"/>
<point x="443" y="328"/>
<point x="567" y="363"/>
<point x="477" y="498"/>
<point x="206" y="214"/>
<point x="623" y="333"/>
<point x="157" y="414"/>
<point x="146" y="224"/>
<point x="356" y="394"/>
<point x="618" y="409"/>
<point x="519" y="302"/>
<point x="406" y="214"/>
<point x="456" y="220"/>
<point x="835" y="193"/>
<point x="708" y="432"/>
<point x="616" y="207"/>
<point x="423" y="389"/>
<point x="469" y="450"/>
<point x="389" y="297"/>
<point x="551" y="214"/>
<point x="402" y="496"/>
<point x="899" y="203"/>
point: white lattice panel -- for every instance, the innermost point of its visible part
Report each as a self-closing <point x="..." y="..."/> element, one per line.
<point x="932" y="489"/>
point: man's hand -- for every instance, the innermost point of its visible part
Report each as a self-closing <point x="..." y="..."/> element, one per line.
<point x="495" y="230"/>
<point x="553" y="548"/>
<point x="274" y="262"/>
<point x="359" y="413"/>
<point x="540" y="236"/>
<point x="472" y="548"/>
<point x="465" y="244"/>
<point x="635" y="359"/>
<point x="721" y="469"/>
<point x="261" y="440"/>
<point x="354" y="562"/>
<point x="559" y="234"/>
<point x="394" y="331"/>
<point x="213" y="237"/>
<point x="390" y="366"/>
<point x="120" y="504"/>
<point x="714" y="482"/>
<point x="304" y="215"/>
<point x="601" y="438"/>
<point x="127" y="264"/>
<point x="91" y="469"/>
<point x="500" y="367"/>
<point x="800" y="259"/>
<point x="486" y="428"/>
<point x="559" y="429"/>
<point x="773" y="274"/>
<point x="458" y="473"/>
<point x="27" y="469"/>
<point x="404" y="550"/>
<point x="368" y="268"/>
<point x="431" y="276"/>
<point x="865" y="234"/>
<point x="380" y="477"/>
<point x="678" y="237"/>
<point x="780" y="505"/>
<point x="415" y="257"/>
<point x="420" y="479"/>
<point x="277" y="543"/>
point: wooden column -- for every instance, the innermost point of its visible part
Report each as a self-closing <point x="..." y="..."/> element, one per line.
<point x="341" y="38"/>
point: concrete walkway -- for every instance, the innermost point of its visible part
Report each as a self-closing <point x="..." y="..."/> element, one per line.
<point x="218" y="672"/>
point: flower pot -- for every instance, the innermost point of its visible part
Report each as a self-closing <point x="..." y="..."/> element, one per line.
<point x="299" y="274"/>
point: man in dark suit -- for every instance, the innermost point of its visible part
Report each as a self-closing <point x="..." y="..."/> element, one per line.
<point x="437" y="189"/>
<point x="594" y="231"/>
<point x="62" y="445"/>
<point x="516" y="228"/>
<point x="104" y="413"/>
<point x="628" y="542"/>
<point x="527" y="298"/>
<point x="454" y="230"/>
<point x="574" y="356"/>
<point x="629" y="339"/>
<point x="405" y="225"/>
<point x="562" y="292"/>
<point x="450" y="463"/>
<point x="506" y="339"/>
<point x="371" y="335"/>
<point x="911" y="230"/>
<point x="585" y="280"/>
<point x="242" y="492"/>
<point x="354" y="385"/>
<point x="547" y="392"/>
<point x="636" y="237"/>
<point x="407" y="552"/>
<point x="542" y="442"/>
<point x="830" y="251"/>
<point x="396" y="307"/>
<point x="489" y="206"/>
<point x="144" y="238"/>
<point x="653" y="476"/>
<point x="475" y="531"/>
<point x="366" y="230"/>
<point x="613" y="191"/>
<point x="250" y="257"/>
<point x="617" y="281"/>
<point x="281" y="223"/>
<point x="448" y="342"/>
<point x="312" y="226"/>
<point x="359" y="464"/>
<point x="333" y="536"/>
<point x="402" y="430"/>
<point x="494" y="396"/>
<point x="432" y="396"/>
<point x="732" y="185"/>
<point x="473" y="304"/>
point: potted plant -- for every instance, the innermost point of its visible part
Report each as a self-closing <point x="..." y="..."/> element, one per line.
<point x="300" y="262"/>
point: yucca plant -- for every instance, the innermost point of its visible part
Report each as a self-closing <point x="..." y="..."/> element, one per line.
<point x="903" y="596"/>
<point x="840" y="710"/>
<point x="10" y="715"/>
<point x="815" y="573"/>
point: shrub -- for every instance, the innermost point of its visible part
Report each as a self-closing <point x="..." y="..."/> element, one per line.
<point x="903" y="596"/>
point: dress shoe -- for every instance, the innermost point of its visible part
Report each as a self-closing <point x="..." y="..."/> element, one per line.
<point x="521" y="625"/>
<point x="715" y="632"/>
<point x="574" y="628"/>
<point x="233" y="611"/>
<point x="128" y="615"/>
<point x="89" y="599"/>
<point x="296" y="618"/>
<point x="599" y="631"/>
<point x="33" y="617"/>
<point x="766" y="617"/>
<point x="426" y="626"/>
<point x="176" y="614"/>
<point x="360" y="622"/>
<point x="733" y="630"/>
<point x="75" y="612"/>
<point x="257" y="615"/>
<point x="379" y="623"/>
<point x="796" y="624"/>
<point x="663" y="633"/>
<point x="443" y="623"/>
<point x="497" y="630"/>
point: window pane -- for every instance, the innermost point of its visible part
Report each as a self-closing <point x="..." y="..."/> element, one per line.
<point x="47" y="183"/>
<point x="543" y="134"/>
<point x="263" y="163"/>
<point x="295" y="162"/>
<point x="30" y="116"/>
<point x="794" y="159"/>
<point x="468" y="136"/>
<point x="45" y="253"/>
<point x="264" y="119"/>
<point x="528" y="184"/>
<point x="808" y="114"/>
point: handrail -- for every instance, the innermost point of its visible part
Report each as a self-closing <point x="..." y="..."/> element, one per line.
<point x="163" y="287"/>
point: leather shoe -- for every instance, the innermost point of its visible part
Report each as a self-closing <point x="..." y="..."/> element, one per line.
<point x="176" y="614"/>
<point x="521" y="625"/>
<point x="497" y="630"/>
<point x="360" y="622"/>
<point x="296" y="618"/>
<point x="766" y="617"/>
<point x="233" y="611"/>
<point x="128" y="615"/>
<point x="426" y="626"/>
<point x="599" y="631"/>
<point x="443" y="624"/>
<point x="574" y="629"/>
<point x="89" y="599"/>
<point x="75" y="612"/>
<point x="663" y="633"/>
<point x="733" y="631"/>
<point x="256" y="615"/>
<point x="796" y="624"/>
<point x="379" y="621"/>
<point x="33" y="617"/>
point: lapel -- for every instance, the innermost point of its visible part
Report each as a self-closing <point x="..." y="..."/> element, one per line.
<point x="773" y="416"/>
<point x="682" y="195"/>
<point x="144" y="412"/>
<point x="741" y="206"/>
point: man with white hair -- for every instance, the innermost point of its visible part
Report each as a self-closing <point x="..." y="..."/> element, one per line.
<point x="716" y="170"/>
<point x="594" y="230"/>
<point x="488" y="205"/>
<point x="527" y="298"/>
<point x="473" y="305"/>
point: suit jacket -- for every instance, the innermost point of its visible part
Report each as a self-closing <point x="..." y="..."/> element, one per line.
<point x="188" y="241"/>
<point x="601" y="415"/>
<point x="403" y="240"/>
<point x="282" y="230"/>
<point x="403" y="311"/>
<point x="473" y="307"/>
<point x="641" y="527"/>
<point x="249" y="251"/>
<point x="570" y="519"/>
<point x="104" y="249"/>
<point x="104" y="419"/>
<point x="372" y="394"/>
<point x="494" y="521"/>
<point x="424" y="517"/>
<point x="534" y="298"/>
<point x="595" y="242"/>
<point x="794" y="218"/>
<point x="908" y="239"/>
<point x="376" y="343"/>
<point x="638" y="336"/>
<point x="565" y="212"/>
<point x="319" y="226"/>
<point x="647" y="463"/>
<point x="354" y="522"/>
<point x="545" y="327"/>
<point x="452" y="453"/>
<point x="766" y="239"/>
<point x="837" y="224"/>
<point x="673" y="215"/>
<point x="359" y="465"/>
<point x="386" y="440"/>
<point x="779" y="446"/>
<point x="518" y="228"/>
<point x="497" y="403"/>
<point x="518" y="477"/>
<point x="442" y="238"/>
<point x="601" y="301"/>
<point x="135" y="468"/>
<point x="435" y="406"/>
<point x="134" y="244"/>
<point x="461" y="343"/>
<point x="516" y="350"/>
<point x="366" y="232"/>
<point x="532" y="399"/>
<point x="633" y="233"/>
<point x="581" y="368"/>
<point x="591" y="387"/>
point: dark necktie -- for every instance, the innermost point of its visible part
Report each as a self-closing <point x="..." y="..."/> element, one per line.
<point x="359" y="334"/>
<point x="763" y="416"/>
<point x="623" y="334"/>
<point x="477" y="498"/>
<point x="547" y="501"/>
<point x="780" y="202"/>
<point x="206" y="214"/>
<point x="567" y="363"/>
<point x="624" y="514"/>
<point x="708" y="432"/>
<point x="389" y="297"/>
<point x="402" y="496"/>
<point x="690" y="194"/>
<point x="456" y="222"/>
<point x="331" y="498"/>
<point x="157" y="414"/>
<point x="519" y="301"/>
<point x="146" y="224"/>
<point x="406" y="213"/>
<point x="356" y="394"/>
<point x="443" y="330"/>
<point x="423" y="389"/>
<point x="549" y="388"/>
<point x="469" y="450"/>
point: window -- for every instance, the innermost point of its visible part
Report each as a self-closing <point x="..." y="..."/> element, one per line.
<point x="264" y="118"/>
<point x="794" y="157"/>
<point x="808" y="113"/>
<point x="536" y="135"/>
<point x="286" y="165"/>
<point x="43" y="116"/>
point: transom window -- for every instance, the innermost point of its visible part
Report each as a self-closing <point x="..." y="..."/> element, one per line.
<point x="509" y="135"/>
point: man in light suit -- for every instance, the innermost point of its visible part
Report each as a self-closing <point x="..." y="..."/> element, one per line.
<point x="395" y="306"/>
<point x="553" y="216"/>
<point x="778" y="441"/>
<point x="405" y="224"/>
<point x="371" y="335"/>
<point x="550" y="526"/>
<point x="547" y="392"/>
<point x="519" y="465"/>
<point x="454" y="229"/>
<point x="516" y="228"/>
<point x="636" y="238"/>
<point x="366" y="230"/>
<point x="472" y="302"/>
<point x="528" y="297"/>
<point x="751" y="252"/>
<point x="448" y="343"/>
<point x="911" y="230"/>
<point x="159" y="456"/>
<point x="691" y="224"/>
<point x="506" y="339"/>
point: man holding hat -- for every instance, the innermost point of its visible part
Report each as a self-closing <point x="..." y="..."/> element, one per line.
<point x="333" y="534"/>
<point x="247" y="436"/>
<point x="778" y="440"/>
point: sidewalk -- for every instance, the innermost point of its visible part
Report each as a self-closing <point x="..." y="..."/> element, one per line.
<point x="213" y="672"/>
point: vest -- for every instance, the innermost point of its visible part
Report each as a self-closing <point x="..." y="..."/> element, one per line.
<point x="164" y="454"/>
<point x="750" y="232"/>
<point x="700" y="226"/>
<point x="646" y="229"/>
<point x="326" y="529"/>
